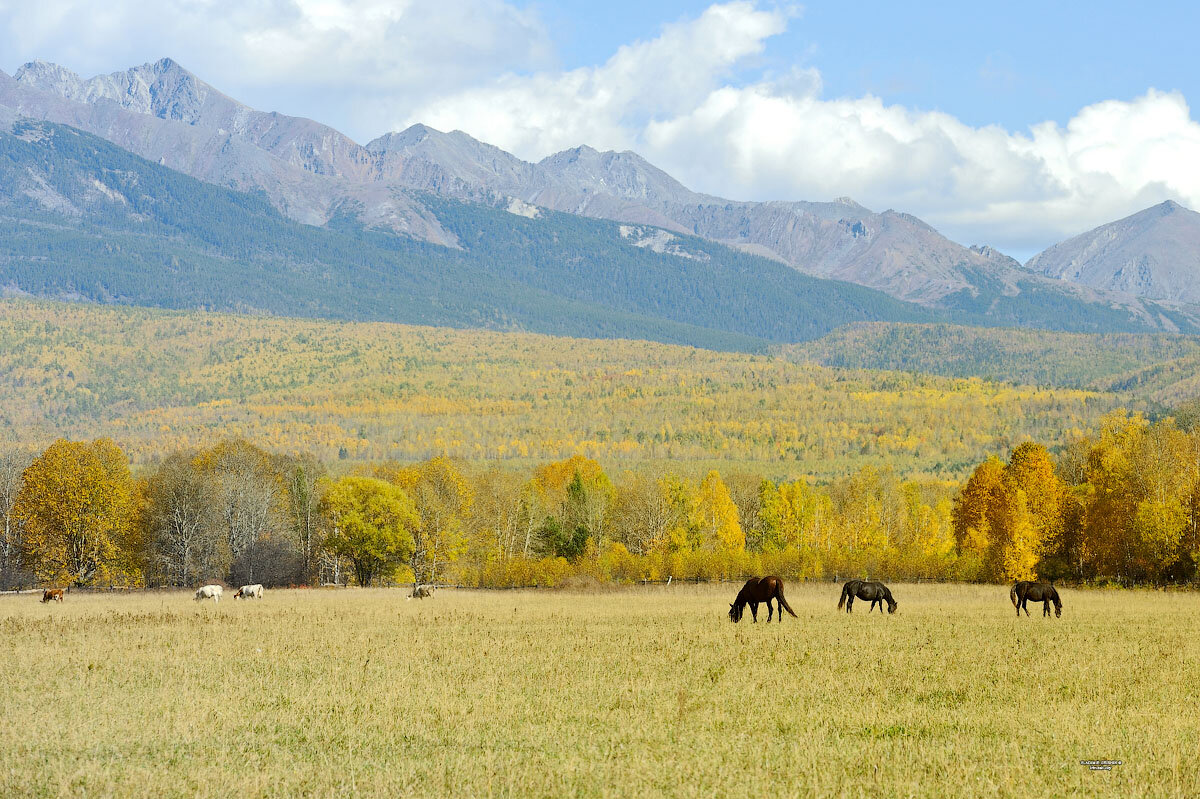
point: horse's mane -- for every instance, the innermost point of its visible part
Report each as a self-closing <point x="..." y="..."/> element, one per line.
<point x="742" y="596"/>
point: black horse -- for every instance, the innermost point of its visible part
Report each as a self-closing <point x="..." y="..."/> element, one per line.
<point x="875" y="593"/>
<point x="1045" y="593"/>
<point x="759" y="589"/>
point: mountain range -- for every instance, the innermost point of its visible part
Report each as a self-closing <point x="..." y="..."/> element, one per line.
<point x="409" y="184"/>
<point x="81" y="218"/>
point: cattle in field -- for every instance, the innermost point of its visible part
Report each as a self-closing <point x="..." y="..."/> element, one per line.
<point x="55" y="594"/>
<point x="421" y="592"/>
<point x="249" y="592"/>
<point x="212" y="592"/>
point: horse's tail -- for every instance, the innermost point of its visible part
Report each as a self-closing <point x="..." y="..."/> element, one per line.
<point x="783" y="602"/>
<point x="1013" y="595"/>
<point x="842" y="601"/>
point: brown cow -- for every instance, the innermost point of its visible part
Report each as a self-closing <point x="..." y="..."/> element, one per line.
<point x="52" y="593"/>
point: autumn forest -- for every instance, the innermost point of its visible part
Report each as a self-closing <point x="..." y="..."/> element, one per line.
<point x="154" y="448"/>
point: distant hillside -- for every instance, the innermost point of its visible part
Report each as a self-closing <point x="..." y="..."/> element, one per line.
<point x="1155" y="253"/>
<point x="82" y="218"/>
<point x="1170" y="383"/>
<point x="1031" y="357"/>
<point x="161" y="380"/>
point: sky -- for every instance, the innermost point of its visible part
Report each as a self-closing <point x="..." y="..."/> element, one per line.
<point x="1015" y="125"/>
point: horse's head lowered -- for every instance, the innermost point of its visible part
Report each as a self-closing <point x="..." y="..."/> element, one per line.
<point x="735" y="612"/>
<point x="892" y="604"/>
<point x="1057" y="608"/>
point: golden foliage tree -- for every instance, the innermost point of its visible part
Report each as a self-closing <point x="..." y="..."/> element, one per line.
<point x="372" y="522"/>
<point x="579" y="493"/>
<point x="78" y="506"/>
<point x="1020" y="546"/>
<point x="443" y="499"/>
<point x="684" y="533"/>
<point x="718" y="516"/>
<point x="793" y="515"/>
<point x="978" y="530"/>
<point x="1139" y="500"/>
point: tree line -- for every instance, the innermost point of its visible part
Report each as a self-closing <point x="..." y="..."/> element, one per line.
<point x="1122" y="505"/>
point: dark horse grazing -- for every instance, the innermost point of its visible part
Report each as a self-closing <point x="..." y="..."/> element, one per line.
<point x="1045" y="593"/>
<point x="875" y="593"/>
<point x="759" y="589"/>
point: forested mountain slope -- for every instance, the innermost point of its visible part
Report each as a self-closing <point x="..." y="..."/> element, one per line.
<point x="1035" y="357"/>
<point x="80" y="217"/>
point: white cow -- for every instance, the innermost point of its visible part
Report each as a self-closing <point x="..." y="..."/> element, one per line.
<point x="249" y="592"/>
<point x="212" y="592"/>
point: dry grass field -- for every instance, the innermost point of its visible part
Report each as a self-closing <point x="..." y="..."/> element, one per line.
<point x="636" y="692"/>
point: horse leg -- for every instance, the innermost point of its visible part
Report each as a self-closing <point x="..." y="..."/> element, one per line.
<point x="754" y="611"/>
<point x="1025" y="605"/>
<point x="850" y="604"/>
<point x="1045" y="607"/>
<point x="770" y="610"/>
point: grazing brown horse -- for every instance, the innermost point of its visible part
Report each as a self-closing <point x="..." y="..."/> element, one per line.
<point x="875" y="593"/>
<point x="759" y="589"/>
<point x="52" y="593"/>
<point x="1045" y="593"/>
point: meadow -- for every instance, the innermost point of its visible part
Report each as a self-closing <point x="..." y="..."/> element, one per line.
<point x="641" y="691"/>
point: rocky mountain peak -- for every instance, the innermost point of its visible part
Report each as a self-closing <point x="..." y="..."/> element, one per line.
<point x="162" y="88"/>
<point x="625" y="175"/>
<point x="1154" y="253"/>
<point x="402" y="140"/>
<point x="46" y="76"/>
<point x="994" y="255"/>
<point x="574" y="155"/>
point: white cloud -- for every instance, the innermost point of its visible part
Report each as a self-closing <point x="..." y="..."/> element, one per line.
<point x="671" y="100"/>
<point x="985" y="184"/>
<point x="606" y="106"/>
<point x="348" y="61"/>
<point x="681" y="99"/>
